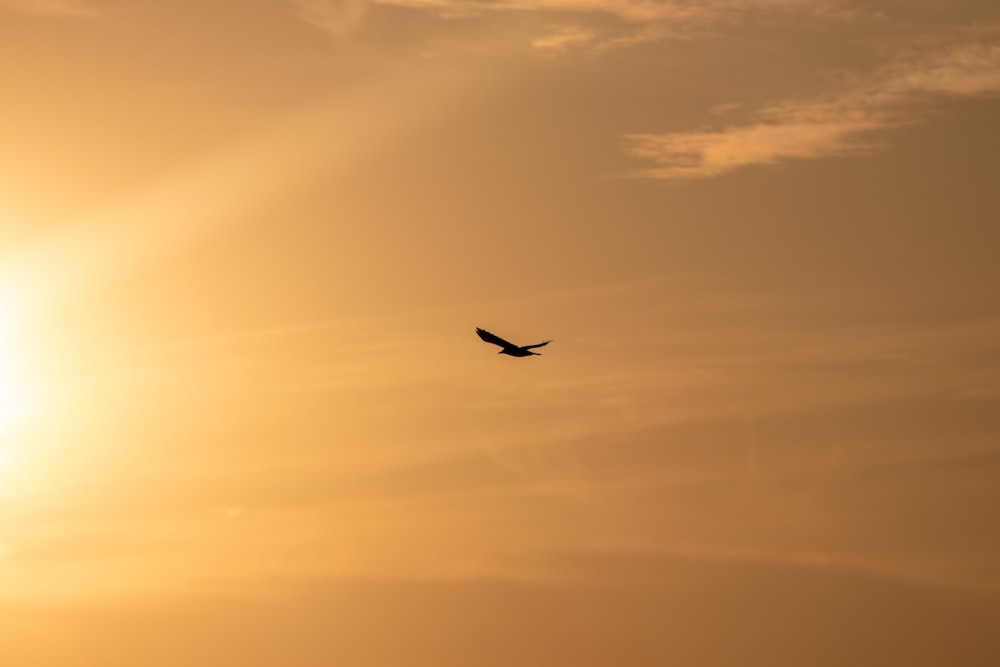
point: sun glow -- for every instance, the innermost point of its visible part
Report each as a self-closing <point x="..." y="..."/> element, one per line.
<point x="15" y="404"/>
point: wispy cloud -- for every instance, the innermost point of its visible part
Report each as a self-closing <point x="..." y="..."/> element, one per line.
<point x="623" y="23"/>
<point x="563" y="38"/>
<point x="52" y="8"/>
<point x="339" y="18"/>
<point x="639" y="11"/>
<point x="828" y="126"/>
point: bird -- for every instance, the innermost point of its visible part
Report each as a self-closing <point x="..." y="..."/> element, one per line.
<point x="508" y="347"/>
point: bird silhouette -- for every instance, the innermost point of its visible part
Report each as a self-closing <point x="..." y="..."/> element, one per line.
<point x="508" y="347"/>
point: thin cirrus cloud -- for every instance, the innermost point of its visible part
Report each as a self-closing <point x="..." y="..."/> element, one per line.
<point x="835" y="125"/>
<point x="626" y="23"/>
<point x="339" y="18"/>
<point x="564" y="38"/>
<point x="638" y="11"/>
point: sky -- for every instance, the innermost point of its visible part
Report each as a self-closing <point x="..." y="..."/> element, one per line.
<point x="245" y="418"/>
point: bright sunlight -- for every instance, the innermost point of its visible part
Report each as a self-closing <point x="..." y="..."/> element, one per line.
<point x="15" y="404"/>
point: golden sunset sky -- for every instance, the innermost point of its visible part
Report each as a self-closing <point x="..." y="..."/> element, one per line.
<point x="245" y="419"/>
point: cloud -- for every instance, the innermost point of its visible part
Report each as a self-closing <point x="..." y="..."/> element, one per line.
<point x="617" y="24"/>
<point x="51" y="8"/>
<point x="563" y="38"/>
<point x="339" y="18"/>
<point x="724" y="108"/>
<point x="836" y="125"/>
<point x="638" y="11"/>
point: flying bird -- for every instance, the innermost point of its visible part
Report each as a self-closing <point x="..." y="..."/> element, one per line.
<point x="508" y="347"/>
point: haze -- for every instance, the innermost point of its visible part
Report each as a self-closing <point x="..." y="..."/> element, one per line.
<point x="245" y="418"/>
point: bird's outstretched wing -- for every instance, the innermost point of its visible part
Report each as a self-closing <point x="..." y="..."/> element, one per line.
<point x="493" y="338"/>
<point x="528" y="347"/>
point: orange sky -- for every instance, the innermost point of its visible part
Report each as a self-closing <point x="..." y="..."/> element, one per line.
<point x="244" y="416"/>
